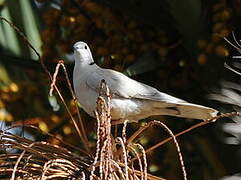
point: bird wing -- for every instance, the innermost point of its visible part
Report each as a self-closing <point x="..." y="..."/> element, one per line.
<point x="125" y="87"/>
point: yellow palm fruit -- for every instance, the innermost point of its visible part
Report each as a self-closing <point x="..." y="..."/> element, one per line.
<point x="202" y="59"/>
<point x="55" y="118"/>
<point x="57" y="139"/>
<point x="67" y="130"/>
<point x="72" y="19"/>
<point x="66" y="21"/>
<point x="222" y="51"/>
<point x="8" y="117"/>
<point x="72" y="102"/>
<point x="2" y="105"/>
<point x="43" y="126"/>
<point x="13" y="87"/>
<point x="2" y="115"/>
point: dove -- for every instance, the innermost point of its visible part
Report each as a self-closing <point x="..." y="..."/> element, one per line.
<point x="130" y="100"/>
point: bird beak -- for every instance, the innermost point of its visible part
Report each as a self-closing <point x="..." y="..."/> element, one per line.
<point x="76" y="48"/>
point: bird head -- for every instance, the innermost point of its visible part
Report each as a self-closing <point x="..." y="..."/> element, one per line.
<point x="82" y="53"/>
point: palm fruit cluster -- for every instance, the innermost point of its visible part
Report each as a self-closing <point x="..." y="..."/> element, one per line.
<point x="114" y="36"/>
<point x="118" y="38"/>
<point x="220" y="28"/>
<point x="12" y="98"/>
<point x="8" y="95"/>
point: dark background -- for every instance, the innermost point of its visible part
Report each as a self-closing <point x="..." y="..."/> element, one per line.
<point x="175" y="46"/>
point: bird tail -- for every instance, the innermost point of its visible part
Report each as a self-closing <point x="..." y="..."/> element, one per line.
<point x="187" y="110"/>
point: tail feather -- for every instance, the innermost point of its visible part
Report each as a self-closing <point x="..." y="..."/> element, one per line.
<point x="187" y="110"/>
<point x="195" y="111"/>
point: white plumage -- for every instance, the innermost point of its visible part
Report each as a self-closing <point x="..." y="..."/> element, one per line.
<point x="131" y="100"/>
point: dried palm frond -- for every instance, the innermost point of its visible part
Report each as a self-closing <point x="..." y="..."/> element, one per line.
<point x="22" y="158"/>
<point x="38" y="160"/>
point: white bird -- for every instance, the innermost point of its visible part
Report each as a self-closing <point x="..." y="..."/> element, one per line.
<point x="131" y="100"/>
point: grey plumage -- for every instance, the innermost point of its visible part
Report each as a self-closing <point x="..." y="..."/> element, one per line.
<point x="130" y="100"/>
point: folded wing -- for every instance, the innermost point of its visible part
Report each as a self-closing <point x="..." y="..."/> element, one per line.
<point x="124" y="87"/>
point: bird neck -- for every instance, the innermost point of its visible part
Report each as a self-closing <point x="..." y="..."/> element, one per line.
<point x="84" y="62"/>
<point x="83" y="66"/>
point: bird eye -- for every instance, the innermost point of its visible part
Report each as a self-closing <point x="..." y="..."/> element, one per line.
<point x="85" y="47"/>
